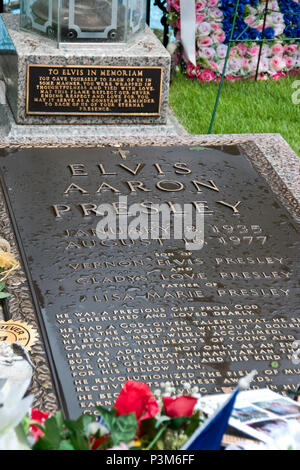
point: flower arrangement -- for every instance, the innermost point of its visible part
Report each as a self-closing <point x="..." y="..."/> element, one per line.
<point x="280" y="55"/>
<point x="138" y="420"/>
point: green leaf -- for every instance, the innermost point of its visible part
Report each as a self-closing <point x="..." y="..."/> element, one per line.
<point x="148" y="428"/>
<point x="107" y="416"/>
<point x="80" y="425"/>
<point x="79" y="441"/>
<point x="124" y="428"/>
<point x="2" y="285"/>
<point x="177" y="423"/>
<point x="77" y="431"/>
<point x="54" y="433"/>
<point x="65" y="445"/>
<point x="186" y="422"/>
<point x="4" y="295"/>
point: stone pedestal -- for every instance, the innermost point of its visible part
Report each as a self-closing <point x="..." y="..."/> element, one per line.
<point x="120" y="84"/>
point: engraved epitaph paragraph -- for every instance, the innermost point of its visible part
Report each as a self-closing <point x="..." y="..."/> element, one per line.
<point x="149" y="309"/>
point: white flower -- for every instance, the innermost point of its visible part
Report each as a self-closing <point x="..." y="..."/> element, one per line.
<point x="204" y="29"/>
<point x="13" y="408"/>
<point x="222" y="50"/>
<point x="278" y="29"/>
<point x="207" y="52"/>
<point x="235" y="64"/>
<point x="93" y="428"/>
<point x="276" y="18"/>
<point x="216" y="14"/>
<point x="187" y="386"/>
<point x="263" y="64"/>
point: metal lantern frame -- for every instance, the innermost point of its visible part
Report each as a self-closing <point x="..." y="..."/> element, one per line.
<point x="109" y="32"/>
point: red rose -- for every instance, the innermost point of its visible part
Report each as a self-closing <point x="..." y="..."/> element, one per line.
<point x="40" y="417"/>
<point x="181" y="406"/>
<point x="136" y="397"/>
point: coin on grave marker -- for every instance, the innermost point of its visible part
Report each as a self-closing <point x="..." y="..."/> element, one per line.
<point x="16" y="331"/>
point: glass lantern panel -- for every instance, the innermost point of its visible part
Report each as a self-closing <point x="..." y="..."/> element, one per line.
<point x="40" y="17"/>
<point x="93" y="21"/>
<point x="84" y="21"/>
<point x="136" y="16"/>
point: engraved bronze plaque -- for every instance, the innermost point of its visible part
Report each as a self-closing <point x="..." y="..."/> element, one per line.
<point x="93" y="90"/>
<point x="149" y="309"/>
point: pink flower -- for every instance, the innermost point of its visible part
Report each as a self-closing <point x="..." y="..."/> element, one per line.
<point x="245" y="63"/>
<point x="191" y="70"/>
<point x="213" y="65"/>
<point x="220" y="37"/>
<point x="215" y="26"/>
<point x="204" y="42"/>
<point x="174" y="4"/>
<point x="277" y="63"/>
<point x="252" y="51"/>
<point x="234" y="51"/>
<point x="249" y="19"/>
<point x="213" y="3"/>
<point x="199" y="18"/>
<point x="277" y="76"/>
<point x="232" y="78"/>
<point x="242" y="48"/>
<point x="291" y="48"/>
<point x="206" y="75"/>
<point x="200" y="5"/>
<point x="289" y="61"/>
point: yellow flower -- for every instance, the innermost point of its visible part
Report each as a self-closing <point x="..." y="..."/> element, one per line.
<point x="7" y="260"/>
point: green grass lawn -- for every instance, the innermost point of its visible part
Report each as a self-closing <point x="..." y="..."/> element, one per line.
<point x="255" y="107"/>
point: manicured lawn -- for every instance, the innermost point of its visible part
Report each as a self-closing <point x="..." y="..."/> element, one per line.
<point x="244" y="107"/>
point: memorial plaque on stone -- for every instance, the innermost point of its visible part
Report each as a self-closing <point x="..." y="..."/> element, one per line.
<point x="150" y="309"/>
<point x="91" y="90"/>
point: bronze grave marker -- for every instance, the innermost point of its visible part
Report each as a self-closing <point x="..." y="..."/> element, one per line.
<point x="150" y="310"/>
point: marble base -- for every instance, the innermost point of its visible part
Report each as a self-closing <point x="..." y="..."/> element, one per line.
<point x="143" y="51"/>
<point x="10" y="130"/>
